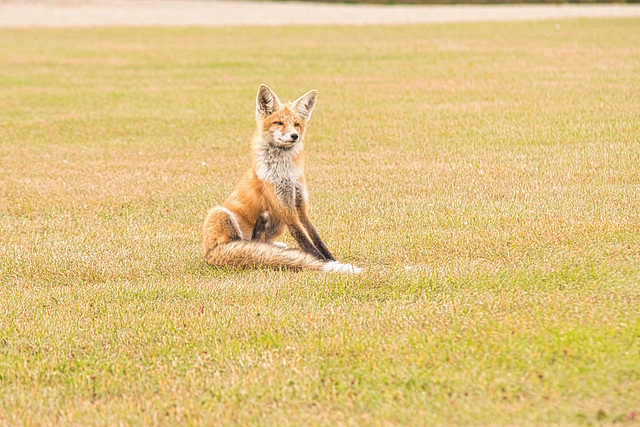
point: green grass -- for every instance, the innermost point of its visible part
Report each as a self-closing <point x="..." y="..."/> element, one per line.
<point x="501" y="161"/>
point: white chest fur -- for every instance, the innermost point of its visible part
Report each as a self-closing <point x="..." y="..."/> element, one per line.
<point x="278" y="168"/>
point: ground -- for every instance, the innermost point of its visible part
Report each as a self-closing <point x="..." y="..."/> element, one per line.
<point x="209" y="13"/>
<point x="499" y="160"/>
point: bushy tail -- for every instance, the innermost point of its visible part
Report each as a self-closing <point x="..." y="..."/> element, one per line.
<point x="252" y="254"/>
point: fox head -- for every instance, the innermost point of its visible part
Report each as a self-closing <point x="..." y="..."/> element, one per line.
<point x="283" y="125"/>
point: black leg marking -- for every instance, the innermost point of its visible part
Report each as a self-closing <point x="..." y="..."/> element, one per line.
<point x="304" y="242"/>
<point x="317" y="241"/>
<point x="306" y="223"/>
<point x="261" y="227"/>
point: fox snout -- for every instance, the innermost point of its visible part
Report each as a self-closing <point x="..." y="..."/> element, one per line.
<point x="291" y="137"/>
<point x="286" y="138"/>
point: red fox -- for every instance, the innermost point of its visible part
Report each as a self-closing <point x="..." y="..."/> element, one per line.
<point x="271" y="196"/>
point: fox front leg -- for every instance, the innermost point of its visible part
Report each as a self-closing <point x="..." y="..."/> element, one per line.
<point x="300" y="235"/>
<point x="286" y="193"/>
<point x="315" y="238"/>
<point x="301" y="207"/>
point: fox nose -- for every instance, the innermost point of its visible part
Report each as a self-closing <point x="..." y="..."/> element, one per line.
<point x="294" y="136"/>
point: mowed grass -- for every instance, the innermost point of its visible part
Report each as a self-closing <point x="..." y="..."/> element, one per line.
<point x="500" y="161"/>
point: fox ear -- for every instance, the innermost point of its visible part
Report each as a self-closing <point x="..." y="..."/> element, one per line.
<point x="266" y="102"/>
<point x="304" y="105"/>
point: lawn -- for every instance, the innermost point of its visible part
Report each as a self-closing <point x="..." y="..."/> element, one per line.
<point x="500" y="161"/>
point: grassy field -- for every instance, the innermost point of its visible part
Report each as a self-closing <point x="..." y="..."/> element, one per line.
<point x="500" y="161"/>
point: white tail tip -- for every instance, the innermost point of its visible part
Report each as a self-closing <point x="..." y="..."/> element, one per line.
<point x="338" y="267"/>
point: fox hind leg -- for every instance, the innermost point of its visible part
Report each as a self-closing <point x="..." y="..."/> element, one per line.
<point x="220" y="226"/>
<point x="268" y="228"/>
<point x="261" y="227"/>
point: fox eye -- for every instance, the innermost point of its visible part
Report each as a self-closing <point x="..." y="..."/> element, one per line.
<point x="278" y="123"/>
<point x="297" y="125"/>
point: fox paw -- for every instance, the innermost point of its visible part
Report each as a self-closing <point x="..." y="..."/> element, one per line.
<point x="338" y="267"/>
